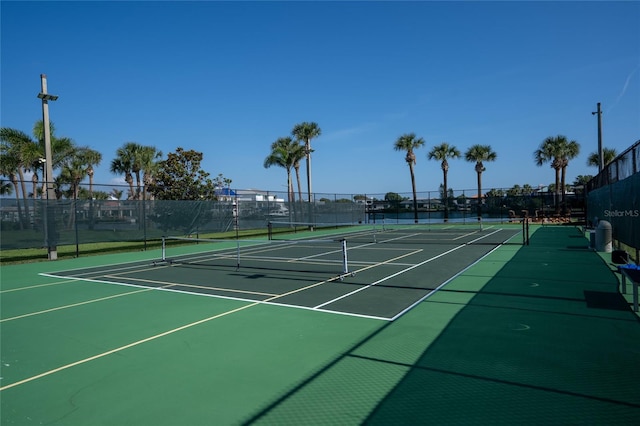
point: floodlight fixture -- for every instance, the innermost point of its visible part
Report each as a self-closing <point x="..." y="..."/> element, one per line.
<point x="47" y="97"/>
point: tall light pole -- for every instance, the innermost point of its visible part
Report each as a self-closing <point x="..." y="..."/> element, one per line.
<point x="51" y="196"/>
<point x="600" y="153"/>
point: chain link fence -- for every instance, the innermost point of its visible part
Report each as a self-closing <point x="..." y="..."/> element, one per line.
<point x="614" y="195"/>
<point x="38" y="223"/>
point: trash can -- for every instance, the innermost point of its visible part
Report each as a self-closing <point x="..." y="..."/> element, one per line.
<point x="619" y="257"/>
<point x="604" y="237"/>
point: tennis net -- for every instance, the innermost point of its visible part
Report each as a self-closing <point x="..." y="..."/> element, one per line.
<point x="383" y="232"/>
<point x="326" y="256"/>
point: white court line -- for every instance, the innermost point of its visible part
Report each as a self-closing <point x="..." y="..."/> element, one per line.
<point x="170" y="290"/>
<point x="86" y="302"/>
<point x="328" y="311"/>
<point x="432" y="292"/>
<point x="148" y="339"/>
<point x="387" y="277"/>
<point x="464" y="235"/>
<point x="121" y="348"/>
<point x="29" y="287"/>
<point x="267" y="301"/>
<point x="124" y="270"/>
<point x="402" y="271"/>
<point x="169" y="284"/>
<point x="249" y="253"/>
<point x="166" y="287"/>
<point x="139" y="262"/>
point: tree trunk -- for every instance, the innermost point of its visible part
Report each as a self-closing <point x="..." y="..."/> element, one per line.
<point x="129" y="180"/>
<point x="24" y="198"/>
<point x="34" y="182"/>
<point x="291" y="194"/>
<point x="137" y="197"/>
<point x="564" y="192"/>
<point x="298" y="180"/>
<point x="446" y="195"/>
<point x="16" y="190"/>
<point x="415" y="200"/>
<point x="479" y="196"/>
<point x="556" y="192"/>
<point x="308" y="149"/>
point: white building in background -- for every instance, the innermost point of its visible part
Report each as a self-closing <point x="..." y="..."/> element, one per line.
<point x="255" y="195"/>
<point x="255" y="200"/>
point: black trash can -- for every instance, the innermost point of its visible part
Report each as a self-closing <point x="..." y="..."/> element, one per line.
<point x="619" y="257"/>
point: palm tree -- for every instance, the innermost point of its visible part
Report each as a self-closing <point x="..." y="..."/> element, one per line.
<point x="5" y="187"/>
<point x="299" y="154"/>
<point x="91" y="158"/>
<point x="123" y="164"/>
<point x="135" y="151"/>
<point x="571" y="149"/>
<point x="75" y="168"/>
<point x="582" y="180"/>
<point x="557" y="151"/>
<point x="9" y="165"/>
<point x="116" y="193"/>
<point x="548" y="152"/>
<point x="283" y="154"/>
<point x="62" y="148"/>
<point x="132" y="159"/>
<point x="14" y="145"/>
<point x="304" y="132"/>
<point x="441" y="153"/>
<point x="73" y="171"/>
<point x="479" y="154"/>
<point x="608" y="154"/>
<point x="30" y="154"/>
<point x="409" y="142"/>
<point x="148" y="159"/>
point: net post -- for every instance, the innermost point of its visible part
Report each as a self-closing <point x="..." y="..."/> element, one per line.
<point x="236" y="216"/>
<point x="345" y="264"/>
<point x="237" y="255"/>
<point x="164" y="249"/>
<point x="527" y="226"/>
<point x="269" y="230"/>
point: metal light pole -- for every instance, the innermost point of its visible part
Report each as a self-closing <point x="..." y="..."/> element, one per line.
<point x="308" y="151"/>
<point x="51" y="196"/>
<point x="44" y="196"/>
<point x="600" y="153"/>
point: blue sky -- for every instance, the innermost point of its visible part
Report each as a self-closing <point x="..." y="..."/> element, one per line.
<point x="229" y="78"/>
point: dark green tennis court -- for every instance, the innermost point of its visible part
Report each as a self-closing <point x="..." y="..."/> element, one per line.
<point x="514" y="334"/>
<point x="347" y="270"/>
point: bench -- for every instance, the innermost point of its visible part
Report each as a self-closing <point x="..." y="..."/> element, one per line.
<point x="631" y="272"/>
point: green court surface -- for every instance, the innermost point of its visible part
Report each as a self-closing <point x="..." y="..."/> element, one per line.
<point x="421" y="332"/>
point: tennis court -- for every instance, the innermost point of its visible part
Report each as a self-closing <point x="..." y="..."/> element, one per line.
<point x="353" y="270"/>
<point x="302" y="331"/>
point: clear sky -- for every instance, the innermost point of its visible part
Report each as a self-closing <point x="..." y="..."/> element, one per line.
<point x="229" y="78"/>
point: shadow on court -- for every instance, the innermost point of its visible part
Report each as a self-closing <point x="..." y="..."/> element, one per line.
<point x="547" y="340"/>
